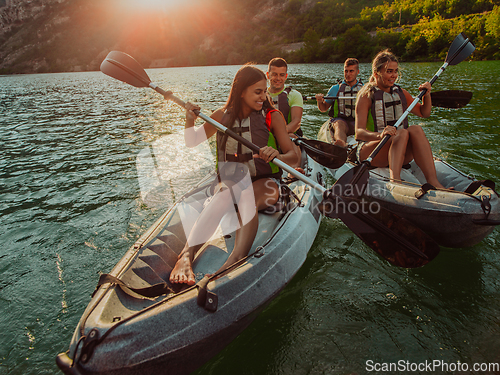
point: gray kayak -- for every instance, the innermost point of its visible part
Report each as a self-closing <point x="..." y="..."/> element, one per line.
<point x="138" y="323"/>
<point x="453" y="218"/>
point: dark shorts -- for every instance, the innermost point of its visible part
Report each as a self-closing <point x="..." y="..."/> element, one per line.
<point x="358" y="151"/>
<point x="351" y="124"/>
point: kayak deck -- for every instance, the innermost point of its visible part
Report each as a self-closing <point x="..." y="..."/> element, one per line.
<point x="173" y="331"/>
<point x="455" y="218"/>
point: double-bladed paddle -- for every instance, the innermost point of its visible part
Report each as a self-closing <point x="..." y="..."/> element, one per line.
<point x="460" y="49"/>
<point x="395" y="239"/>
<point x="125" y="68"/>
<point x="443" y="99"/>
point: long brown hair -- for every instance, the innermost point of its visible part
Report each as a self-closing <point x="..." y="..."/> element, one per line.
<point x="246" y="76"/>
<point x="379" y="62"/>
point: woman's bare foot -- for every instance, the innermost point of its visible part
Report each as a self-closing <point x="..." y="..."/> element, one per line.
<point x="438" y="185"/>
<point x="183" y="271"/>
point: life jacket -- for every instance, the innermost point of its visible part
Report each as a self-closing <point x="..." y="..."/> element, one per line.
<point x="388" y="107"/>
<point x="281" y="103"/>
<point x="256" y="129"/>
<point x="345" y="108"/>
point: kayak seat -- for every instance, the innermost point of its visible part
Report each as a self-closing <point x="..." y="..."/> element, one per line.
<point x="164" y="251"/>
<point x="171" y="241"/>
<point x="406" y="175"/>
<point x="176" y="228"/>
<point x="210" y="260"/>
<point x="153" y="260"/>
<point x="149" y="274"/>
<point x="446" y="174"/>
<point x="138" y="281"/>
<point x="144" y="272"/>
<point x="449" y="176"/>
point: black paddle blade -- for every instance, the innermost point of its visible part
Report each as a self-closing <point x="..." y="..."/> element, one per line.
<point x="460" y="49"/>
<point x="395" y="239"/>
<point x="451" y="98"/>
<point x="125" y="68"/>
<point x="326" y="154"/>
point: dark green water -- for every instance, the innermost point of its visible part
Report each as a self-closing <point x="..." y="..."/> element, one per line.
<point x="70" y="206"/>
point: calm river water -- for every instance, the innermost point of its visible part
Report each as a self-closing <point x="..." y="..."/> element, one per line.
<point x="70" y="206"/>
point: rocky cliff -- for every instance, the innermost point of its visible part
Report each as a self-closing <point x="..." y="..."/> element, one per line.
<point x="23" y="24"/>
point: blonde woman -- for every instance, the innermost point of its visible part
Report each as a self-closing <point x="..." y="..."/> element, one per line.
<point x="382" y="100"/>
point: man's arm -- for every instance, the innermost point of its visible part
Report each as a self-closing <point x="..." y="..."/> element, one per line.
<point x="296" y="109"/>
<point x="324" y="105"/>
<point x="296" y="118"/>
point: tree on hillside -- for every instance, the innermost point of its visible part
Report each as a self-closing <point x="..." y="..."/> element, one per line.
<point x="355" y="42"/>
<point x="493" y="23"/>
<point x="311" y="47"/>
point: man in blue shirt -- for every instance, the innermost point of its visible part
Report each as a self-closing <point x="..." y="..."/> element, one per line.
<point x="342" y="123"/>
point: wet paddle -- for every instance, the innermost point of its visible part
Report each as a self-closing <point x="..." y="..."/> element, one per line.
<point x="443" y="99"/>
<point x="322" y="152"/>
<point x="125" y="68"/>
<point x="460" y="49"/>
<point x="451" y="98"/>
<point x="395" y="239"/>
<point x="330" y="97"/>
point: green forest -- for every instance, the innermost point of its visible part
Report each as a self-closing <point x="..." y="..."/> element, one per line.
<point x="414" y="30"/>
<point x="75" y="35"/>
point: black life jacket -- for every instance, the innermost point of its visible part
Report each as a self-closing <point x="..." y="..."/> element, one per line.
<point x="345" y="108"/>
<point x="281" y="102"/>
<point x="255" y="128"/>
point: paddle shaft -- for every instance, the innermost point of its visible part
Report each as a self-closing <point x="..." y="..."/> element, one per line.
<point x="444" y="98"/>
<point x="330" y="97"/>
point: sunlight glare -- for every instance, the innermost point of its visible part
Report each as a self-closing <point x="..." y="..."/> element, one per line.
<point x="155" y="5"/>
